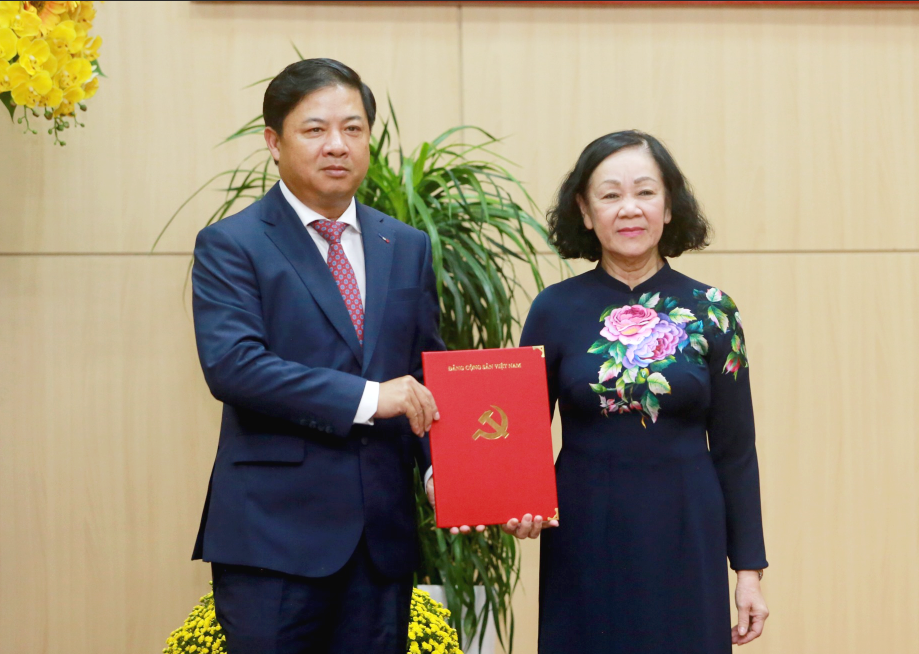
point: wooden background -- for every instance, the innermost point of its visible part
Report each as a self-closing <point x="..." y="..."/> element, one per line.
<point x="797" y="127"/>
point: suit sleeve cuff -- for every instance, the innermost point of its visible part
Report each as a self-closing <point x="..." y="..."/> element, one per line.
<point x="428" y="475"/>
<point x="370" y="401"/>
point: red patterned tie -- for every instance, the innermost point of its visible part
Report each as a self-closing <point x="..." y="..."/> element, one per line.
<point x="342" y="271"/>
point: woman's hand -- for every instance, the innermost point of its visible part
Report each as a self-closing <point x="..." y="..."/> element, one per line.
<point x="751" y="608"/>
<point x="529" y="527"/>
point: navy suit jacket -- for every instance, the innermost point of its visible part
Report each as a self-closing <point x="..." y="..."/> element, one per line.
<point x="295" y="484"/>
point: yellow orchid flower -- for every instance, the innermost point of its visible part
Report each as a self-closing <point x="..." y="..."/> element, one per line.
<point x="53" y="99"/>
<point x="26" y="23"/>
<point x="8" y="11"/>
<point x="85" y="14"/>
<point x="15" y="75"/>
<point x="79" y="40"/>
<point x="51" y="65"/>
<point x="65" y="31"/>
<point x="91" y="87"/>
<point x="91" y="49"/>
<point x="69" y="100"/>
<point x="28" y="93"/>
<point x="32" y="53"/>
<point x="74" y="73"/>
<point x="7" y="44"/>
<point x="60" y="52"/>
<point x="5" y="76"/>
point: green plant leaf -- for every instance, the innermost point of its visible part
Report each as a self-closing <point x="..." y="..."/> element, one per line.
<point x="680" y="316"/>
<point x="698" y="343"/>
<point x="718" y="318"/>
<point x="658" y="384"/>
<point x="7" y="99"/>
<point x="651" y="405"/>
<point x="97" y="69"/>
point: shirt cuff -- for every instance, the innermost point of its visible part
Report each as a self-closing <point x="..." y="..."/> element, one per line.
<point x="370" y="402"/>
<point x="428" y="475"/>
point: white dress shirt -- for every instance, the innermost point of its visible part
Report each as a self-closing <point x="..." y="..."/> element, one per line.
<point x="353" y="246"/>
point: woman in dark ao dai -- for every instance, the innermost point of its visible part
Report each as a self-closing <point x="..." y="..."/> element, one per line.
<point x="658" y="478"/>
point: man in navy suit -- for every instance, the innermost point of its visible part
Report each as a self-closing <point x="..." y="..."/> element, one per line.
<point x="311" y="313"/>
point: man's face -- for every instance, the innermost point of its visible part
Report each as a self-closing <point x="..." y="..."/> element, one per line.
<point x="324" y="150"/>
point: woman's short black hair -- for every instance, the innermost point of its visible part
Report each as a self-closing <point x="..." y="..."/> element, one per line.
<point x="687" y="230"/>
<point x="304" y="77"/>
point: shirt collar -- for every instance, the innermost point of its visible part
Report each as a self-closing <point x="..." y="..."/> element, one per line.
<point x="307" y="215"/>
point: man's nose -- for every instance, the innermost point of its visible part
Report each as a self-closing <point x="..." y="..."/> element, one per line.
<point x="335" y="144"/>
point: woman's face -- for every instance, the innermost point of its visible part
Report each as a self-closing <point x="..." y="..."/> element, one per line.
<point x="626" y="205"/>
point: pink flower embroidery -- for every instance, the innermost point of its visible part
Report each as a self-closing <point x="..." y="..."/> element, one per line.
<point x="629" y="325"/>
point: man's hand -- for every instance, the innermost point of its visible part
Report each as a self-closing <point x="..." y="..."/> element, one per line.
<point x="529" y="527"/>
<point x="404" y="396"/>
<point x="751" y="608"/>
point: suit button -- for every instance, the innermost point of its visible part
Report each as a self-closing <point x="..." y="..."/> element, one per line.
<point x="364" y="440"/>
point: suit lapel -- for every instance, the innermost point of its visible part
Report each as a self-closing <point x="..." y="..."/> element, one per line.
<point x="378" y="254"/>
<point x="290" y="236"/>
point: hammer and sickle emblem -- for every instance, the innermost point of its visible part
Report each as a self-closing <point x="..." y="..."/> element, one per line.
<point x="487" y="418"/>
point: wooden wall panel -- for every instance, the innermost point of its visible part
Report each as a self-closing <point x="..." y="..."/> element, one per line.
<point x="175" y="88"/>
<point x="797" y="127"/>
<point x="835" y="370"/>
<point x="107" y="436"/>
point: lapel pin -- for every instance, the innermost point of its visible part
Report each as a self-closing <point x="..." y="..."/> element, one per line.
<point x="384" y="238"/>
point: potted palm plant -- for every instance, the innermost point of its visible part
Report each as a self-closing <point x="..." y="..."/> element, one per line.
<point x="462" y="195"/>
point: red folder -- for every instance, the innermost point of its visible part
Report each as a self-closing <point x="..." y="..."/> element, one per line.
<point x="492" y="447"/>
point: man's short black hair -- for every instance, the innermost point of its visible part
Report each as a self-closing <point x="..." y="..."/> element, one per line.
<point x="304" y="77"/>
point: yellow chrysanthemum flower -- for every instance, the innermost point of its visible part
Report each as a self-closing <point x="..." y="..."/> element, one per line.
<point x="50" y="13"/>
<point x="32" y="53"/>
